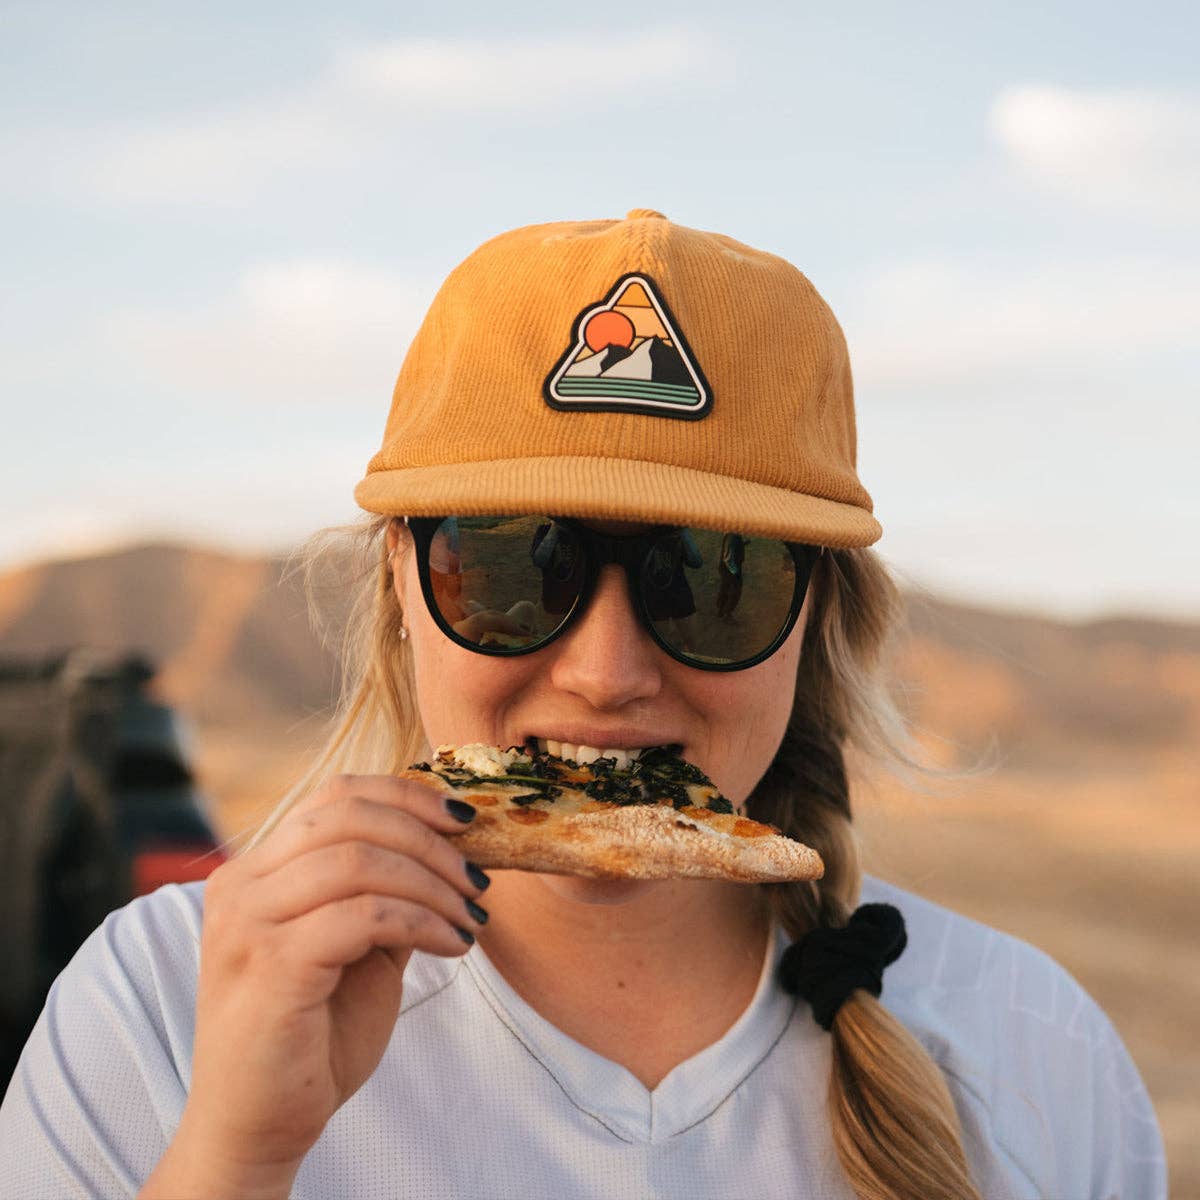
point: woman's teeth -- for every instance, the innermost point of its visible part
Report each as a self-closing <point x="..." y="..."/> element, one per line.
<point x="623" y="759"/>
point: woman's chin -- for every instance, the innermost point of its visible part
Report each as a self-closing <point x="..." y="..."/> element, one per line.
<point x="596" y="891"/>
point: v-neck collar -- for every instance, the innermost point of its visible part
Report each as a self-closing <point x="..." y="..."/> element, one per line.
<point x="614" y="1096"/>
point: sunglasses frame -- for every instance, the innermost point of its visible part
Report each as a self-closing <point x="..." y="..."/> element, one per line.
<point x="629" y="551"/>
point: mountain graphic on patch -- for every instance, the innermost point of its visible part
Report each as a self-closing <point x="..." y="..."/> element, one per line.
<point x="627" y="354"/>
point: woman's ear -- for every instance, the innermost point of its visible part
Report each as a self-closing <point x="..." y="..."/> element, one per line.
<point x="395" y="529"/>
<point x="399" y="543"/>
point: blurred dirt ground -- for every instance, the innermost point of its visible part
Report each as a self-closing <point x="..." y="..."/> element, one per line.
<point x="1095" y="866"/>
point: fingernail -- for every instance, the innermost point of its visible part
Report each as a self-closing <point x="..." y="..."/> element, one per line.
<point x="478" y="876"/>
<point x="466" y="937"/>
<point x="460" y="810"/>
<point x="478" y="915"/>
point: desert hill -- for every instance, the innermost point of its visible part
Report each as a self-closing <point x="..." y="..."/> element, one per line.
<point x="229" y="633"/>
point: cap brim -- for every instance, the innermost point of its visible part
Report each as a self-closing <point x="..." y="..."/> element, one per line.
<point x="632" y="491"/>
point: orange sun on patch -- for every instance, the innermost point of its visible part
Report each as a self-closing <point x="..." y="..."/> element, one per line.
<point x="608" y="328"/>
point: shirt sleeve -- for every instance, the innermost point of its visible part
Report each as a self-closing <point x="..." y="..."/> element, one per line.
<point x="99" y="1088"/>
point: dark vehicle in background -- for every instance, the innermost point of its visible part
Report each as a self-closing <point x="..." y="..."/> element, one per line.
<point x="97" y="805"/>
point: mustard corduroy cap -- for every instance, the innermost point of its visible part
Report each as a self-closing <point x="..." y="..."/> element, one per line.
<point x="627" y="370"/>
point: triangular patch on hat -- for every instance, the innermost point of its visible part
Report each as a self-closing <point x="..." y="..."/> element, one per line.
<point x="628" y="354"/>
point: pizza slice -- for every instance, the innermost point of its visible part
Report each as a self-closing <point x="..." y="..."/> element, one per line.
<point x="655" y="816"/>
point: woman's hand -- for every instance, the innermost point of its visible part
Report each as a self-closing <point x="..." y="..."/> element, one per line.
<point x="302" y="960"/>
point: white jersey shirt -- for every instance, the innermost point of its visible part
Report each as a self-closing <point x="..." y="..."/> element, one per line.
<point x="477" y="1095"/>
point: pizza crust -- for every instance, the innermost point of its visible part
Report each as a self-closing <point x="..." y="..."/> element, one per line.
<point x="574" y="836"/>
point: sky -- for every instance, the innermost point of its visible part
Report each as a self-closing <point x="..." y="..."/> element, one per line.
<point x="222" y="223"/>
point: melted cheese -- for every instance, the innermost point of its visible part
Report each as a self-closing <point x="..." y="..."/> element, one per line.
<point x="480" y="759"/>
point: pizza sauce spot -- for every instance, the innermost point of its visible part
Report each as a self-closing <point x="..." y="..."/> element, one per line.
<point x="744" y="827"/>
<point x="528" y="816"/>
<point x="480" y="798"/>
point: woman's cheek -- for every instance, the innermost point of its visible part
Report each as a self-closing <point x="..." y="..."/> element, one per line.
<point x="464" y="697"/>
<point x="752" y="723"/>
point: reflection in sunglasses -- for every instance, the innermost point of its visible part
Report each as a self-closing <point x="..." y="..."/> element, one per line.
<point x="557" y="555"/>
<point x="489" y="627"/>
<point x="729" y="591"/>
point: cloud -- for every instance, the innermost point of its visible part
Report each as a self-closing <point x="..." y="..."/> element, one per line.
<point x="530" y="75"/>
<point x="356" y="111"/>
<point x="221" y="158"/>
<point x="249" y="493"/>
<point x="65" y="529"/>
<point x="310" y="331"/>
<point x="925" y="322"/>
<point x="1128" y="151"/>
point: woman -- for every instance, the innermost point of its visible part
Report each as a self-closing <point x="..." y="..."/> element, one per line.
<point x="351" y="1008"/>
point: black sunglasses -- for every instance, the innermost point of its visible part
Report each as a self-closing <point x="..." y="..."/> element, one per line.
<point x="511" y="585"/>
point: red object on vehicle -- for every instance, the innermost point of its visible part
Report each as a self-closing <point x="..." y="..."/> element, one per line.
<point x="182" y="863"/>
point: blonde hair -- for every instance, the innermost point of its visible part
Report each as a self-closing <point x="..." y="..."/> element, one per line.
<point x="894" y="1124"/>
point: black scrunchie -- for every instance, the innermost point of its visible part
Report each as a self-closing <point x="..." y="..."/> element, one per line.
<point x="827" y="964"/>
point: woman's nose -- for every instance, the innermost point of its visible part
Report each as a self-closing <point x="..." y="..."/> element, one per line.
<point x="607" y="658"/>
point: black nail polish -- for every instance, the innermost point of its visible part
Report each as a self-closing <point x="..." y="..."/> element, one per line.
<point x="478" y="876"/>
<point x="478" y="914"/>
<point x="469" y="938"/>
<point x="460" y="810"/>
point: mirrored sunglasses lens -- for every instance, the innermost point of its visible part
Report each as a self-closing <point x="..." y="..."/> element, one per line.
<point x="505" y="583"/>
<point x="718" y="598"/>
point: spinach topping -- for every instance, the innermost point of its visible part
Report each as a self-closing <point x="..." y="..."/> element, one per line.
<point x="658" y="773"/>
<point x="605" y="787"/>
<point x="527" y="798"/>
<point x="540" y="768"/>
<point x="675" y="792"/>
